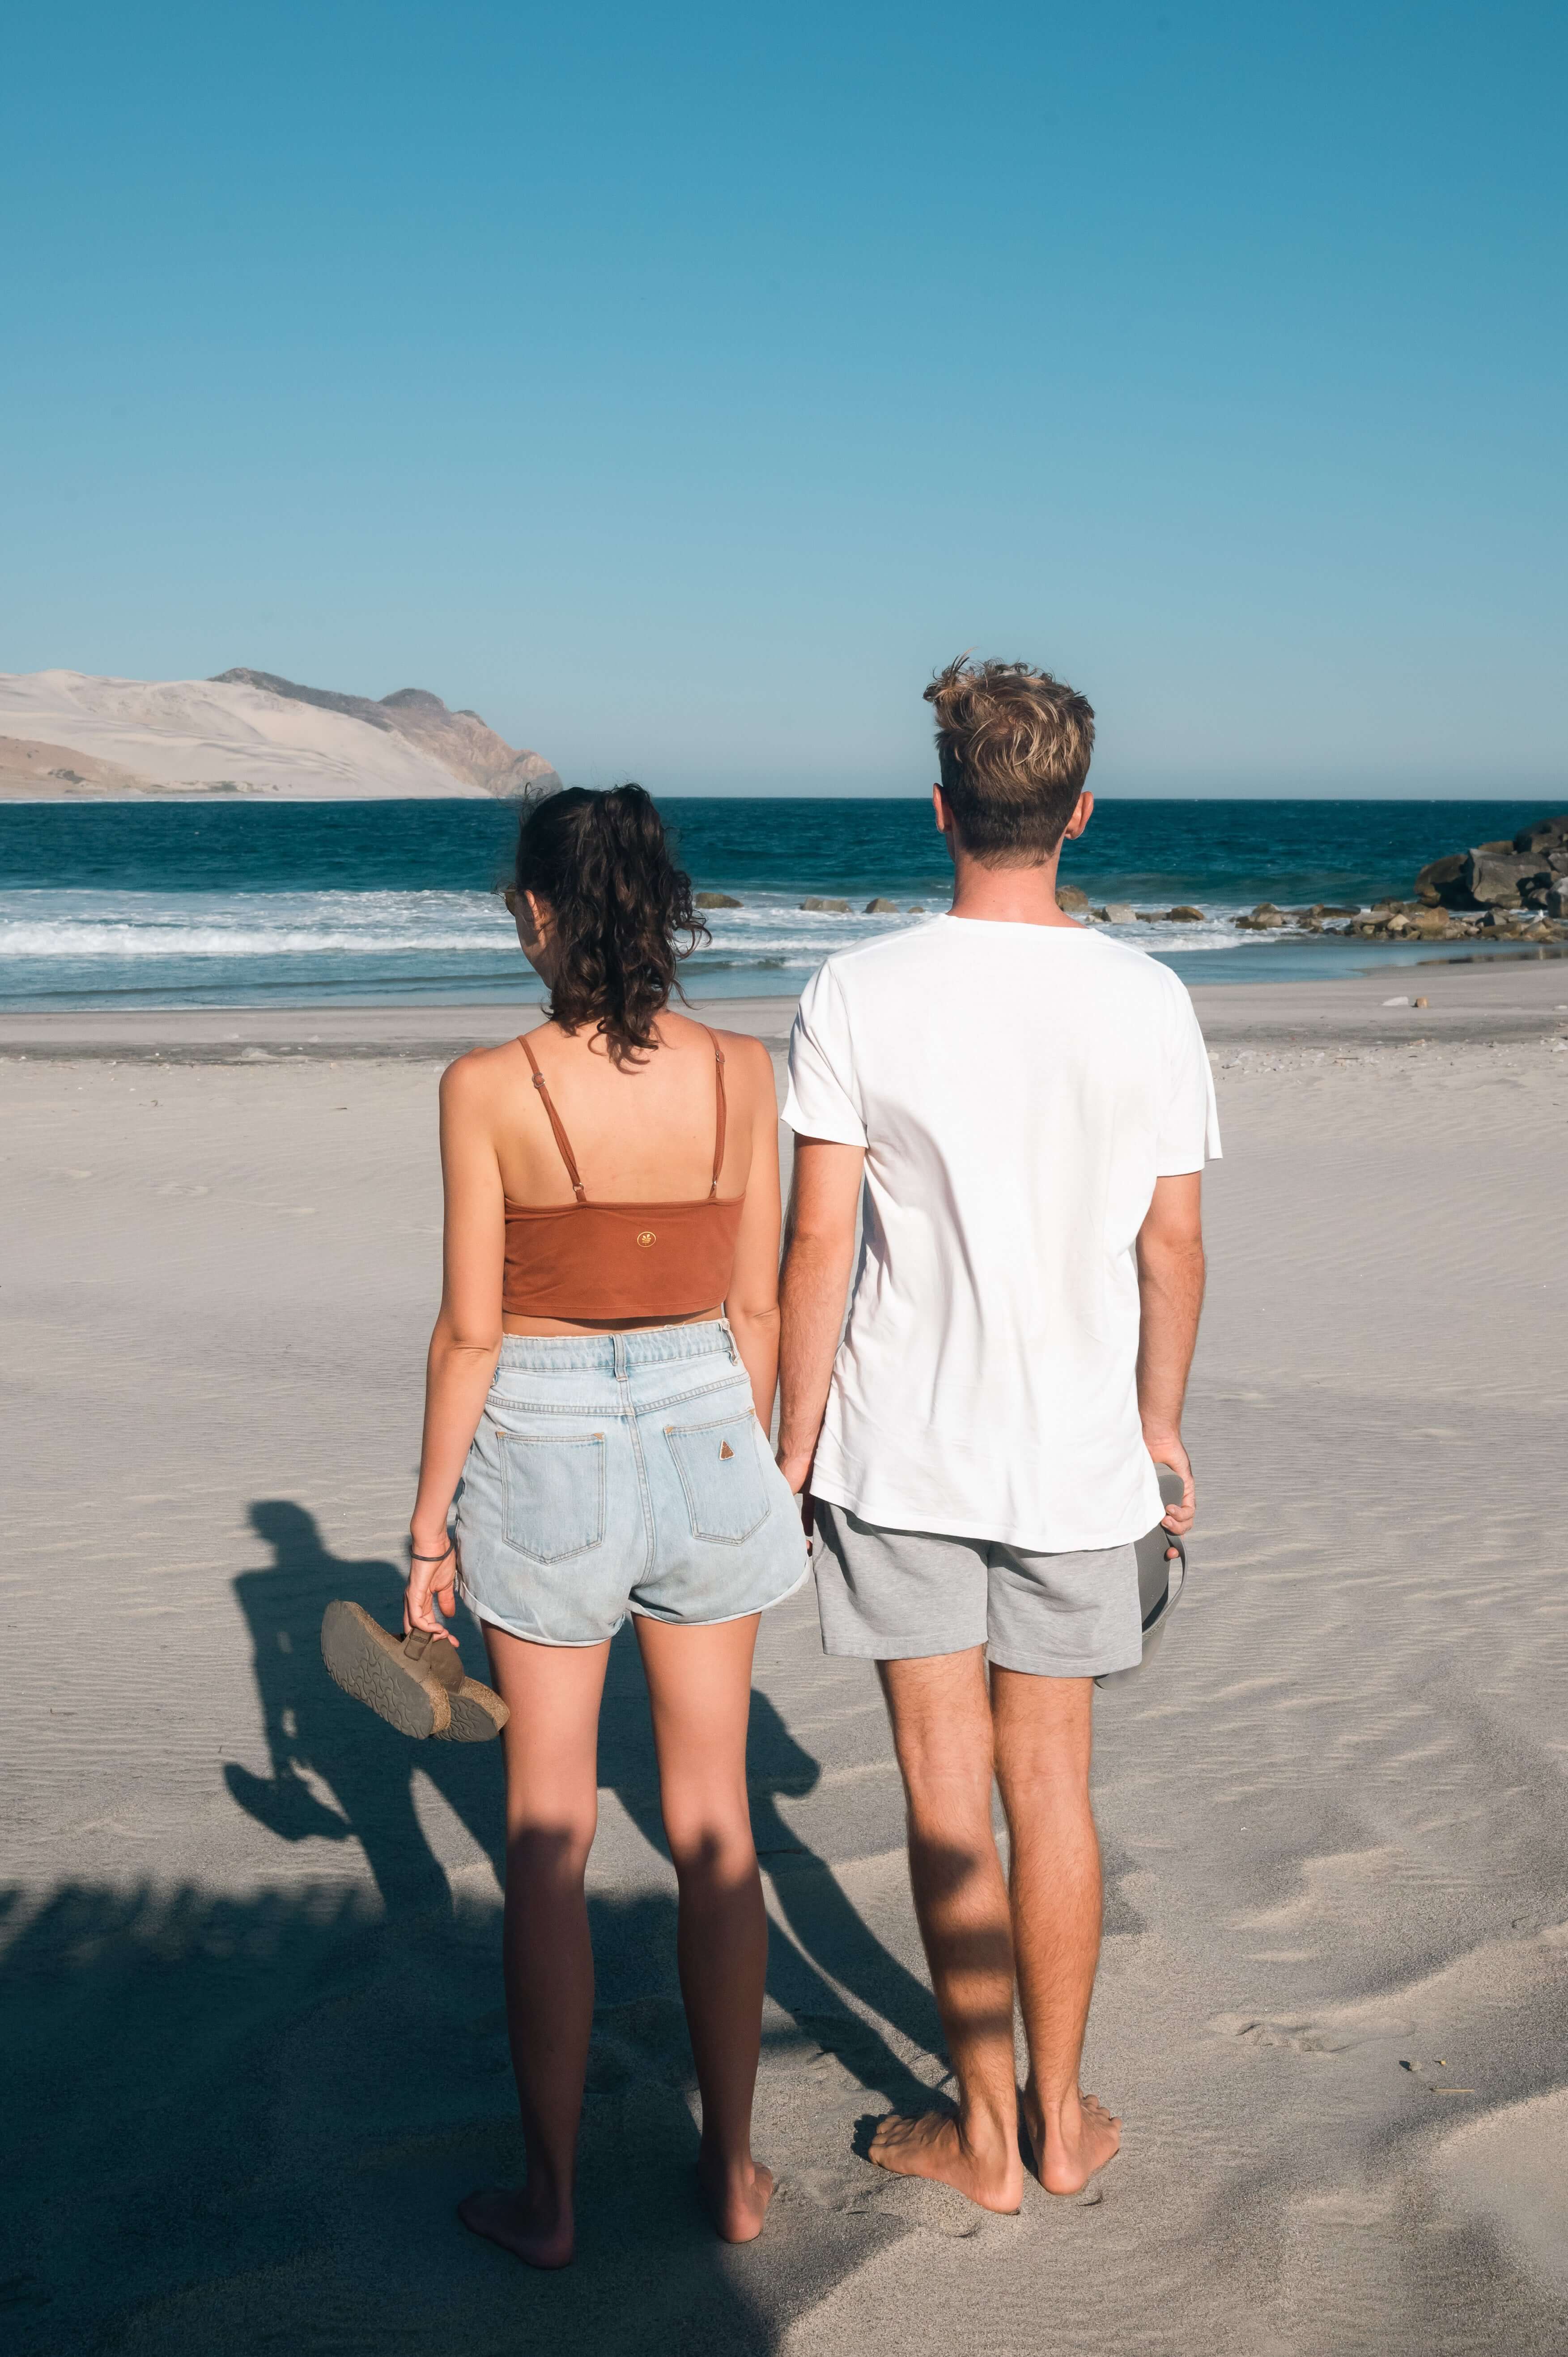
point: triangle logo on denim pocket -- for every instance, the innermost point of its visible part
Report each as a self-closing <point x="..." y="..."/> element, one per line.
<point x="726" y="1450"/>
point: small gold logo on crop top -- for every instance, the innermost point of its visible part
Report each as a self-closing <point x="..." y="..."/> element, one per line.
<point x="646" y="1238"/>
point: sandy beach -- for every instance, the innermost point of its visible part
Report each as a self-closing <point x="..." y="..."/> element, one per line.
<point x="251" y="1972"/>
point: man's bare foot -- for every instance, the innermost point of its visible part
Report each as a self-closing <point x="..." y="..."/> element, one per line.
<point x="541" y="2237"/>
<point x="934" y="2145"/>
<point x="737" y="2199"/>
<point x="1072" y="2147"/>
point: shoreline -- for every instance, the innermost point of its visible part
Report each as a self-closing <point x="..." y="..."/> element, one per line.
<point x="1496" y="995"/>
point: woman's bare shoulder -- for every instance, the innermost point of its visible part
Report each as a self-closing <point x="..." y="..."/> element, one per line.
<point x="747" y="1060"/>
<point x="470" y="1080"/>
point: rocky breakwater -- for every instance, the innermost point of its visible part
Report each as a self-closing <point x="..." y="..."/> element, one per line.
<point x="1512" y="890"/>
<point x="1530" y="871"/>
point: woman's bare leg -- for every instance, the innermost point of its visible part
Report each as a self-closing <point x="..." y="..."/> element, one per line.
<point x="550" y="1743"/>
<point x="699" y="1682"/>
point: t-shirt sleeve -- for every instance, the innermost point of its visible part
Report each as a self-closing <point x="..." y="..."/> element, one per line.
<point x="822" y="1099"/>
<point x="1189" y="1118"/>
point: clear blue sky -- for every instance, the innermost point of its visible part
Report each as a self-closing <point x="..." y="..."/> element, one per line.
<point x="678" y="386"/>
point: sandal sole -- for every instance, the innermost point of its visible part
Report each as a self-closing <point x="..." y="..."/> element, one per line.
<point x="367" y="1664"/>
<point x="478" y="1714"/>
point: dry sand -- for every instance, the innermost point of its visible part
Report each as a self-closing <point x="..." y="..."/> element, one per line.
<point x="252" y="2009"/>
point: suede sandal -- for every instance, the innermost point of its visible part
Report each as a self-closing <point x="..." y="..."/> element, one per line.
<point x="415" y="1683"/>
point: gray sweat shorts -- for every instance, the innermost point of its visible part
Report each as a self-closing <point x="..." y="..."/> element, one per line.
<point x="898" y="1595"/>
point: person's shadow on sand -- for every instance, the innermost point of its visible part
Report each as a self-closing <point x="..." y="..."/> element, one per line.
<point x="340" y="1774"/>
<point x="318" y="1736"/>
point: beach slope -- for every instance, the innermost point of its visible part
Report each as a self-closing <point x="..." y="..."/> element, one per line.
<point x="250" y="1967"/>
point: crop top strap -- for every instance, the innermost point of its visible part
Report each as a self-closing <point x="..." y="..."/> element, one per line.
<point x="721" y="1113"/>
<point x="562" y="1140"/>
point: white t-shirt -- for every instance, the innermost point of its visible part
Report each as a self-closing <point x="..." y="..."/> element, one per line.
<point x="1018" y="1089"/>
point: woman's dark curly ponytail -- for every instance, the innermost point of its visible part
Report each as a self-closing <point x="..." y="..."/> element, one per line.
<point x="601" y="863"/>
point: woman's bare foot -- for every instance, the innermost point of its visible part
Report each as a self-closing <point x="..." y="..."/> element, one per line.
<point x="737" y="2199"/>
<point x="934" y="2145"/>
<point x="539" y="2236"/>
<point x="1073" y="2146"/>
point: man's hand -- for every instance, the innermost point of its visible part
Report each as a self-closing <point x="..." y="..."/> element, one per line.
<point x="1166" y="1448"/>
<point x="796" y="1472"/>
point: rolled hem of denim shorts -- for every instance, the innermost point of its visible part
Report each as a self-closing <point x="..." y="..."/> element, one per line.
<point x="723" y="1619"/>
<point x="483" y="1614"/>
<point x="1096" y="1667"/>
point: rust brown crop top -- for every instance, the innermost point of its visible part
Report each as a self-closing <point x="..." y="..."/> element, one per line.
<point x="591" y="1262"/>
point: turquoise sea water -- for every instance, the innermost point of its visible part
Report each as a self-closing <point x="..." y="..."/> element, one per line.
<point x="227" y="903"/>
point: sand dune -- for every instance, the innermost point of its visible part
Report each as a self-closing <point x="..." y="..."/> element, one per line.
<point x="199" y="735"/>
<point x="251" y="1976"/>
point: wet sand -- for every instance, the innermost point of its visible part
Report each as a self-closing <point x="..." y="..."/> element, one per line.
<point x="251" y="1974"/>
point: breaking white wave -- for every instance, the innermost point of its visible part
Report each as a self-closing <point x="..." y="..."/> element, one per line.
<point x="92" y="924"/>
<point x="218" y="948"/>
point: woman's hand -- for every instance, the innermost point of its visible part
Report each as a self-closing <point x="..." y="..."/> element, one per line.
<point x="430" y="1583"/>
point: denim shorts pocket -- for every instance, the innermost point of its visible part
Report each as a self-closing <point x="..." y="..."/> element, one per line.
<point x="555" y="1493"/>
<point x="721" y="1476"/>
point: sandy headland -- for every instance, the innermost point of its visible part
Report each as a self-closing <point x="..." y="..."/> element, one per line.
<point x="251" y="1966"/>
<point x="68" y="736"/>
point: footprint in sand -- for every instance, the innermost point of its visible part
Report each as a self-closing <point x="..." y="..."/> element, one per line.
<point x="1298" y="2037"/>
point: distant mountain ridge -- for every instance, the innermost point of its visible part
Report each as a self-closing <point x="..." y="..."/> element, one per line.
<point x="460" y="740"/>
<point x="71" y="736"/>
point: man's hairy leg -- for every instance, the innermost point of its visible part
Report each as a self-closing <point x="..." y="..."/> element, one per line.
<point x="942" y="1730"/>
<point x="1043" y="1729"/>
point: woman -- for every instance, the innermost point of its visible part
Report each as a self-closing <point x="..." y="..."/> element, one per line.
<point x="601" y="1377"/>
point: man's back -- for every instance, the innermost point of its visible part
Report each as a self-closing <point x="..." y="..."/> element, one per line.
<point x="1018" y="1089"/>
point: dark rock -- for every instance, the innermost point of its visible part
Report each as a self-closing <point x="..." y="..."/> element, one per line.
<point x="1543" y="834"/>
<point x="1443" y="879"/>
<point x="1118" y="913"/>
<point x="882" y="907"/>
<point x="1494" y="877"/>
<point x="716" y="900"/>
<point x="1185" y="916"/>
<point x="826" y="908"/>
<point x="1071" y="899"/>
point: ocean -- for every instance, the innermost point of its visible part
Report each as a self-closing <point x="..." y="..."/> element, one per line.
<point x="166" y="904"/>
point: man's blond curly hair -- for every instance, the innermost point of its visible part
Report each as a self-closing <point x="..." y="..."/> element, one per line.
<point x="1014" y="747"/>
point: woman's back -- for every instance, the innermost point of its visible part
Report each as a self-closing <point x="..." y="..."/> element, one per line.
<point x="640" y="1131"/>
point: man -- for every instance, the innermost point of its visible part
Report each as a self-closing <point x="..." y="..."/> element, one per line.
<point x="1028" y="1107"/>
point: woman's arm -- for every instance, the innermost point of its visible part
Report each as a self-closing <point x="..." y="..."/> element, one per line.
<point x="467" y="1342"/>
<point x="752" y="1305"/>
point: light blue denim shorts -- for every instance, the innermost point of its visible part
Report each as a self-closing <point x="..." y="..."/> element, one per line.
<point x="616" y="1473"/>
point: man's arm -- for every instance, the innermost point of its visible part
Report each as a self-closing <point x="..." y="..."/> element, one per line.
<point x="1170" y="1296"/>
<point x="818" y="1249"/>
